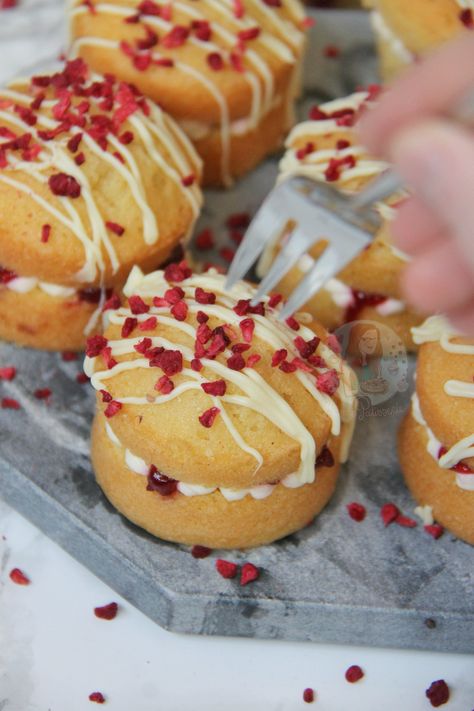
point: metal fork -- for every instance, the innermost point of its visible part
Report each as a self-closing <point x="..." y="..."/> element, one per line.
<point x="310" y="212"/>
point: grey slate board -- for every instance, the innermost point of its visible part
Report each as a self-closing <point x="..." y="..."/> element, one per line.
<point x="335" y="581"/>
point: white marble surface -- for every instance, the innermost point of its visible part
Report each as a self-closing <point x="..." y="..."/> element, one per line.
<point x="54" y="652"/>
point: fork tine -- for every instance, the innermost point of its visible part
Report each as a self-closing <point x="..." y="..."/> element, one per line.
<point x="298" y="244"/>
<point x="326" y="266"/>
<point x="262" y="230"/>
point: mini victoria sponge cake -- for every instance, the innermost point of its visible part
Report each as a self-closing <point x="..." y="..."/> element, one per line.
<point x="407" y="29"/>
<point x="216" y="423"/>
<point x="93" y="179"/>
<point x="227" y="70"/>
<point x="436" y="441"/>
<point x="326" y="148"/>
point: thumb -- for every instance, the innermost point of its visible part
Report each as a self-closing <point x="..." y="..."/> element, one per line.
<point x="437" y="160"/>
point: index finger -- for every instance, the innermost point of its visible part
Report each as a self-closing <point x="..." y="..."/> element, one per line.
<point x="432" y="87"/>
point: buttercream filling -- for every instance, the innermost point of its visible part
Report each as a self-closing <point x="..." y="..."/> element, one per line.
<point x="342" y="295"/>
<point x="262" y="491"/>
<point x="23" y="285"/>
<point x="198" y="130"/>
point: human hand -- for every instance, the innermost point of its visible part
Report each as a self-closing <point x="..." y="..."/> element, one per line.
<point x="436" y="157"/>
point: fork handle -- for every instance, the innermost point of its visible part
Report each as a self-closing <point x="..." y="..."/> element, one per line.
<point x="390" y="182"/>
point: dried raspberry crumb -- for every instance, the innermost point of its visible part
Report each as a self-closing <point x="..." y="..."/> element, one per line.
<point x="45" y="233"/>
<point x="7" y="372"/>
<point x="389" y="512"/>
<point x="306" y="150"/>
<point x="177" y="272"/>
<point x="331" y="51"/>
<point x="287" y="367"/>
<point x="467" y="18"/>
<point x="208" y="417"/>
<point x="170" y="362"/>
<point x="438" y="693"/>
<point x="238" y="221"/>
<point x="356" y="511"/>
<point x="253" y="360"/>
<point x="94" y="345"/>
<point x="274" y="300"/>
<point x="8" y="403"/>
<point x="226" y="568"/>
<point x="204" y="297"/>
<point x="137" y="305"/>
<point x="249" y="573"/>
<point x="115" y="228"/>
<point x="69" y="356"/>
<point x="180" y="311"/>
<point x="164" y="385"/>
<point x="106" y="612"/>
<point x="227" y="253"/>
<point x="354" y="673"/>
<point x="215" y="61"/>
<point x="248" y="34"/>
<point x="205" y="239"/>
<point x="82" y="378"/>
<point x="308" y="696"/>
<point x="293" y="323"/>
<point x="435" y="530"/>
<point x="247" y="326"/>
<point x="333" y="343"/>
<point x="172" y="296"/>
<point x="342" y="143"/>
<point x="325" y="458"/>
<point x="149" y="324"/>
<point x="200" y="552"/>
<point x="18" y="577"/>
<point x="278" y="357"/>
<point x="64" y="185"/>
<point x="8" y="4"/>
<point x="129" y="325"/>
<point x="328" y="382"/>
<point x="97" y="697"/>
<point x="216" y="388"/>
<point x="406" y="521"/>
<point x="236" y="362"/>
<point x="188" y="180"/>
<point x="42" y="393"/>
<point x="112" y="408"/>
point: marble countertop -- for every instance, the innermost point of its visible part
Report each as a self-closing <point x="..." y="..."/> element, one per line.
<point x="54" y="652"/>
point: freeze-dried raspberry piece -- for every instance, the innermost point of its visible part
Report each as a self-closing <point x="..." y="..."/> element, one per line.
<point x="438" y="693"/>
<point x="106" y="612"/>
<point x="200" y="552"/>
<point x="354" y="673"/>
<point x="226" y="568"/>
<point x="356" y="511"/>
<point x="18" y="577"/>
<point x="249" y="573"/>
<point x="389" y="512"/>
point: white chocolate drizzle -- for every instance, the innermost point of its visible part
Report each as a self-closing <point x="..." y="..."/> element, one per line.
<point x="385" y="33"/>
<point x="459" y="451"/>
<point x="255" y="393"/>
<point x="436" y="329"/>
<point x="155" y="132"/>
<point x="284" y="42"/>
